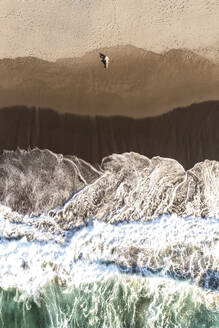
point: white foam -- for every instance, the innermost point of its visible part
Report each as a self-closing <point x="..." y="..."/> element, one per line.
<point x="86" y="254"/>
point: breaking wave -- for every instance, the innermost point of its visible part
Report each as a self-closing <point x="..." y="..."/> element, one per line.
<point x="132" y="243"/>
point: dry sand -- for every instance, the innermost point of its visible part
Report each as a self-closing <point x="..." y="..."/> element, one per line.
<point x="55" y="28"/>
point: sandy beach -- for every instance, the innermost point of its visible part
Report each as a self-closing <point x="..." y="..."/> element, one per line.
<point x="138" y="83"/>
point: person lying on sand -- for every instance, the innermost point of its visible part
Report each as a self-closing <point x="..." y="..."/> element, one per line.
<point x="104" y="60"/>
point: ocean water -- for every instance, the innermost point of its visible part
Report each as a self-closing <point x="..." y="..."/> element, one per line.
<point x="135" y="244"/>
<point x="159" y="273"/>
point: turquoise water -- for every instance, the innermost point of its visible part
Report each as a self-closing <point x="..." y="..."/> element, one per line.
<point x="119" y="301"/>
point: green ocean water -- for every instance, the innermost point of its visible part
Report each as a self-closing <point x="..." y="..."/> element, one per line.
<point x="120" y="301"/>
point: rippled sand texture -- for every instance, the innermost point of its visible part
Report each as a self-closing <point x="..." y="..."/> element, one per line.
<point x="138" y="83"/>
<point x="63" y="29"/>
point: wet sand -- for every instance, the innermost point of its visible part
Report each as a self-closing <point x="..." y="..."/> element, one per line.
<point x="188" y="135"/>
<point x="138" y="83"/>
